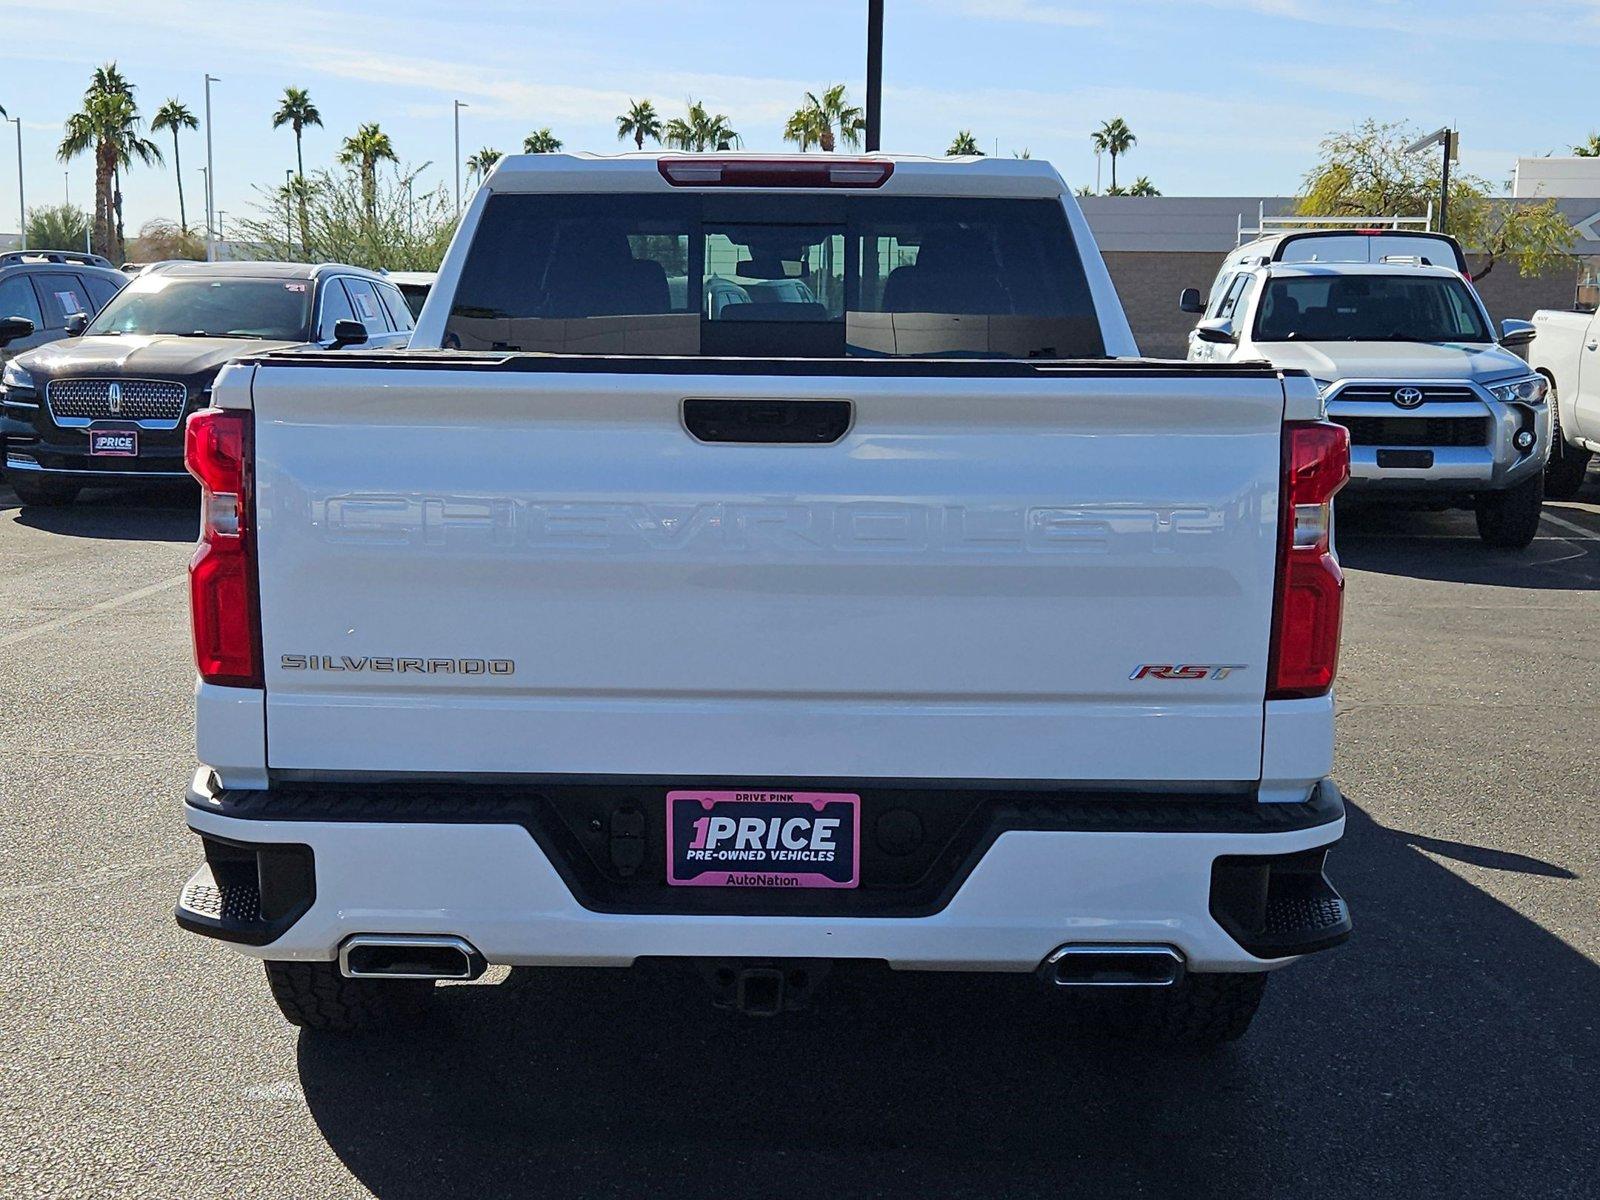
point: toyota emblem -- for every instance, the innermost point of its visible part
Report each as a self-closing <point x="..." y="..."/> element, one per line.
<point x="114" y="398"/>
<point x="1408" y="397"/>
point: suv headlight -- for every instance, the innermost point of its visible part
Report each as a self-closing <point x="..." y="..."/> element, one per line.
<point x="1531" y="390"/>
<point x="15" y="377"/>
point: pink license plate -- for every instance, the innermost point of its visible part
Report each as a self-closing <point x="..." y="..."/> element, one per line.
<point x="118" y="443"/>
<point x="771" y="840"/>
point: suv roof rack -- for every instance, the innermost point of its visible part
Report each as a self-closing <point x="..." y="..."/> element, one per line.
<point x="14" y="258"/>
<point x="1275" y="226"/>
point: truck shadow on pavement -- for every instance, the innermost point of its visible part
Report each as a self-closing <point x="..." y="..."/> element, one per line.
<point x="152" y="513"/>
<point x="1449" y="1048"/>
<point x="1444" y="547"/>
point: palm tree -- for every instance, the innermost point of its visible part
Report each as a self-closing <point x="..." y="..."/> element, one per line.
<point x="639" y="122"/>
<point x="1113" y="138"/>
<point x="483" y="162"/>
<point x="806" y="126"/>
<point x="814" y="123"/>
<point x="1143" y="187"/>
<point x="174" y="115"/>
<point x="364" y="150"/>
<point x="108" y="127"/>
<point x="964" y="143"/>
<point x="109" y="81"/>
<point x="699" y="130"/>
<point x="297" y="111"/>
<point x="1590" y="149"/>
<point x="541" y="141"/>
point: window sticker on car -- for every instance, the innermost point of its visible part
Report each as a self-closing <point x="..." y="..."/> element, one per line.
<point x="294" y="287"/>
<point x="69" y="303"/>
<point x="368" y="305"/>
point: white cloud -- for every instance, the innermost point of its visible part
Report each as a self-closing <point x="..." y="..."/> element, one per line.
<point x="1030" y="11"/>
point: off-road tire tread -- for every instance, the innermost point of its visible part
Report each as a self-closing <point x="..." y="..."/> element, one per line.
<point x="1201" y="1011"/>
<point x="313" y="995"/>
<point x="1564" y="473"/>
<point x="1509" y="520"/>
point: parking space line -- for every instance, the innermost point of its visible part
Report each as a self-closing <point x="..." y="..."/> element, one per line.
<point x="83" y="614"/>
<point x="1572" y="526"/>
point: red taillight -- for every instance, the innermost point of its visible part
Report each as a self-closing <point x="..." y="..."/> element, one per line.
<point x="813" y="171"/>
<point x="1308" y="607"/>
<point x="222" y="582"/>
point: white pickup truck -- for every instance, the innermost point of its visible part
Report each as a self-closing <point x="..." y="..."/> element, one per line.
<point x="906" y="616"/>
<point x="1567" y="353"/>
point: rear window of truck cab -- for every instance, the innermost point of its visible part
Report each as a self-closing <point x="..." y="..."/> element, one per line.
<point x="774" y="275"/>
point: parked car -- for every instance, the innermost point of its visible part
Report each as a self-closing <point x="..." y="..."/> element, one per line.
<point x="1567" y="354"/>
<point x="1440" y="411"/>
<point x="47" y="288"/>
<point x="940" y="630"/>
<point x="107" y="404"/>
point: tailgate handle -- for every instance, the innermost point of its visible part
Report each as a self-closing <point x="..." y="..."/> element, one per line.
<point x="800" y="422"/>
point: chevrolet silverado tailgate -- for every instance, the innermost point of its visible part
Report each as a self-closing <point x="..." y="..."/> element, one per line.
<point x="519" y="565"/>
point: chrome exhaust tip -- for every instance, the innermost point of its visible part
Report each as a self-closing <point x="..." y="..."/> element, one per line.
<point x="1090" y="965"/>
<point x="409" y="956"/>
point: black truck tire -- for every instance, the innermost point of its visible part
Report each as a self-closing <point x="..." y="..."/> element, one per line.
<point x="314" y="995"/>
<point x="1564" y="474"/>
<point x="1508" y="520"/>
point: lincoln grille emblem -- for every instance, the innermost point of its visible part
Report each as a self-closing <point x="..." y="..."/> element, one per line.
<point x="114" y="398"/>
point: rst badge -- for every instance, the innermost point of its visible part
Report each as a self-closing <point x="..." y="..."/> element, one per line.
<point x="763" y="839"/>
<point x="1186" y="671"/>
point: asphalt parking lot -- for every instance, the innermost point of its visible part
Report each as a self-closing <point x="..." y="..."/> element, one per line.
<point x="1452" y="1048"/>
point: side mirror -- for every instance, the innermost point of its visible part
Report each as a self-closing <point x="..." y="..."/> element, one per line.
<point x="14" y="329"/>
<point x="1218" y="331"/>
<point x="1190" y="301"/>
<point x="1517" y="333"/>
<point x="77" y="323"/>
<point x="348" y="333"/>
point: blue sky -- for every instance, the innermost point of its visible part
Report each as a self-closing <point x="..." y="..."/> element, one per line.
<point x="1227" y="97"/>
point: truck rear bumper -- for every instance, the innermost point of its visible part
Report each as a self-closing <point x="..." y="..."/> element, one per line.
<point x="1028" y="891"/>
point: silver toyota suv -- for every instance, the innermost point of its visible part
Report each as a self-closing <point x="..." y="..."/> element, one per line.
<point x="1440" y="411"/>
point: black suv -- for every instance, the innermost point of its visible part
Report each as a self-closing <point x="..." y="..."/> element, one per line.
<point x="47" y="288"/>
<point x="108" y="404"/>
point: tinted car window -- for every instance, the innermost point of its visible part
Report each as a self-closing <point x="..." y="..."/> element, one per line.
<point x="399" y="314"/>
<point x="769" y="274"/>
<point x="100" y="288"/>
<point x="1239" y="303"/>
<point x="64" y="295"/>
<point x="336" y="307"/>
<point x="273" y="309"/>
<point x="369" y="309"/>
<point x="17" y="300"/>
<point x="1369" y="308"/>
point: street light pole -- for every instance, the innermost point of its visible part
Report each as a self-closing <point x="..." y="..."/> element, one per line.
<point x="874" y="74"/>
<point x="1451" y="141"/>
<point x="210" y="171"/>
<point x="22" y="204"/>
<point x="458" y="107"/>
